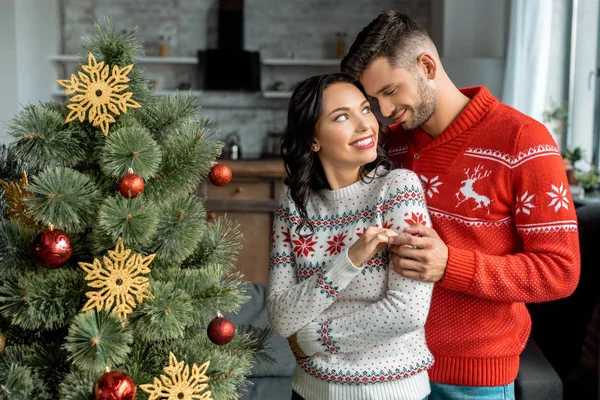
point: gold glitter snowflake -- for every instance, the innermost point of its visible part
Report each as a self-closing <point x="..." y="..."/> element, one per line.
<point x="99" y="93"/>
<point x="178" y="384"/>
<point x="120" y="281"/>
<point x="16" y="193"/>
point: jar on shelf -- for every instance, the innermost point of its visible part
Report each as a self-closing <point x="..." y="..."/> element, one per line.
<point x="340" y="48"/>
<point x="164" y="46"/>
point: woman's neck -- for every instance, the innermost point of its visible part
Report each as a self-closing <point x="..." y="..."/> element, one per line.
<point x="339" y="178"/>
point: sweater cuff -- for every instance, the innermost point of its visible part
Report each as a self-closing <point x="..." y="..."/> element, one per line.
<point x="459" y="271"/>
<point x="341" y="272"/>
<point x="309" y="339"/>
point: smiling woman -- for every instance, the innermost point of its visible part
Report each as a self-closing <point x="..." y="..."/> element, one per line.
<point x="332" y="292"/>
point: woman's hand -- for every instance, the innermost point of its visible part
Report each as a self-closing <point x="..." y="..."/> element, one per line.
<point x="298" y="353"/>
<point x="371" y="241"/>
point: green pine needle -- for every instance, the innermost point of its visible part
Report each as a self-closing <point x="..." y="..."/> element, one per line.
<point x="15" y="248"/>
<point x="169" y="113"/>
<point x="43" y="139"/>
<point x="64" y="197"/>
<point x="78" y="385"/>
<point x="182" y="223"/>
<point x="188" y="156"/>
<point x="97" y="340"/>
<point x="135" y="220"/>
<point x="130" y="147"/>
<point x="49" y="299"/>
<point x="164" y="317"/>
<point x="220" y="245"/>
<point x="21" y="383"/>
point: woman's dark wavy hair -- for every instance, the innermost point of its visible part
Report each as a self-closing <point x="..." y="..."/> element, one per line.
<point x="303" y="166"/>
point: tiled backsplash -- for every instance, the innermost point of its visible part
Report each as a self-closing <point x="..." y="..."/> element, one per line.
<point x="278" y="29"/>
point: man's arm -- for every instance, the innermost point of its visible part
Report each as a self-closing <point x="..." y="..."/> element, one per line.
<point x="548" y="266"/>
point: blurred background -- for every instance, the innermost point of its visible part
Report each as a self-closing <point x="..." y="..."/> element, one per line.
<point x="540" y="56"/>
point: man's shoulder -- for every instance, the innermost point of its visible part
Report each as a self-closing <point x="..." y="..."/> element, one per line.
<point x="510" y="118"/>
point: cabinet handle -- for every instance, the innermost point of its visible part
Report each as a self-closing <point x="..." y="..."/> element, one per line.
<point x="212" y="216"/>
<point x="239" y="190"/>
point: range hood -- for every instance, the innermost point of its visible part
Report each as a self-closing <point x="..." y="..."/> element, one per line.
<point x="229" y="66"/>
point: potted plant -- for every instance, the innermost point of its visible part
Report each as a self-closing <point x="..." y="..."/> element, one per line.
<point x="590" y="180"/>
<point x="571" y="157"/>
<point x="558" y="112"/>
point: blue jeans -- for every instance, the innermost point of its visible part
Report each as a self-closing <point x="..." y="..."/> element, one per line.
<point x="440" y="391"/>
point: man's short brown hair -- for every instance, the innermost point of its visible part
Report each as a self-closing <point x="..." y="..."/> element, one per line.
<point x="393" y="35"/>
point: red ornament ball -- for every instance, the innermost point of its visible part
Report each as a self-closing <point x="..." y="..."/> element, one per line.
<point x="221" y="330"/>
<point x="131" y="185"/>
<point x="220" y="174"/>
<point x="52" y="249"/>
<point x="114" y="385"/>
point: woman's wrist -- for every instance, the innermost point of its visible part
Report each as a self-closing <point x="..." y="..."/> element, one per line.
<point x="354" y="258"/>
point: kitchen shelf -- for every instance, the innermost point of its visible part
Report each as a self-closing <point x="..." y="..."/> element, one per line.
<point x="142" y="60"/>
<point x="276" y="95"/>
<point x="302" y="62"/>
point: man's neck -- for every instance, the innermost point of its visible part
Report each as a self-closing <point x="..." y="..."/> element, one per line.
<point x="450" y="103"/>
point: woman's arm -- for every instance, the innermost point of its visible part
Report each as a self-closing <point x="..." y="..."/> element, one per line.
<point x="292" y="304"/>
<point x="405" y="305"/>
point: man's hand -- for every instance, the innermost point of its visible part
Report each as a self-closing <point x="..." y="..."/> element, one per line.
<point x="422" y="257"/>
<point x="298" y="353"/>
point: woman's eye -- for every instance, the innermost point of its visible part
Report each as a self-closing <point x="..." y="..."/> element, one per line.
<point x="366" y="110"/>
<point x="341" y="117"/>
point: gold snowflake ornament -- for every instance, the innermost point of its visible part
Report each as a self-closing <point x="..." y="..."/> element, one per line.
<point x="16" y="193"/>
<point x="120" y="280"/>
<point x="100" y="91"/>
<point x="178" y="384"/>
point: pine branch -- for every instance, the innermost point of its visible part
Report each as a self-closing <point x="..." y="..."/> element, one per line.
<point x="169" y="113"/>
<point x="130" y="147"/>
<point x="119" y="49"/>
<point x="188" y="157"/>
<point x="78" y="385"/>
<point x="207" y="291"/>
<point x="15" y="248"/>
<point x="135" y="220"/>
<point x="220" y="245"/>
<point x="42" y="300"/>
<point x="164" y="317"/>
<point x="64" y="197"/>
<point x="43" y="138"/>
<point x="97" y="340"/>
<point x="21" y="383"/>
<point x="182" y="223"/>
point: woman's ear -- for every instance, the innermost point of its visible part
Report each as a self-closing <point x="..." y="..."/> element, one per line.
<point x="315" y="146"/>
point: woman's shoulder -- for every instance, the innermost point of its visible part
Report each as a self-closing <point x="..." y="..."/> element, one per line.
<point x="400" y="177"/>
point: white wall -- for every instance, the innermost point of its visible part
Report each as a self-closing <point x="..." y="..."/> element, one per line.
<point x="582" y="112"/>
<point x="471" y="37"/>
<point x="8" y="48"/>
<point x="29" y="33"/>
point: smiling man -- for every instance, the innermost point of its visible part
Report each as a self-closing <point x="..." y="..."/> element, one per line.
<point x="504" y="226"/>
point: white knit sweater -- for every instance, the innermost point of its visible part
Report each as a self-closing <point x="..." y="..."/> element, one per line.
<point x="362" y="328"/>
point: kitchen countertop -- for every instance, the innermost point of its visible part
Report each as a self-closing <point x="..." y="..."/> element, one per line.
<point x="271" y="167"/>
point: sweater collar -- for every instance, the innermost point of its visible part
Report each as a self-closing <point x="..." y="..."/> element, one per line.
<point x="354" y="188"/>
<point x="481" y="102"/>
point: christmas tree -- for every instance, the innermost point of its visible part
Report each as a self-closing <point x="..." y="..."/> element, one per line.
<point x="106" y="256"/>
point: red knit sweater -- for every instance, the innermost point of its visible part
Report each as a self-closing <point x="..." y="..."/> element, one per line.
<point x="498" y="197"/>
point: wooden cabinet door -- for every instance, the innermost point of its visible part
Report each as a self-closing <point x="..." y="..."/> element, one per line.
<point x="256" y="227"/>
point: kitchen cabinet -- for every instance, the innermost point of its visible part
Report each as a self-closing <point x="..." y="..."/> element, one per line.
<point x="250" y="198"/>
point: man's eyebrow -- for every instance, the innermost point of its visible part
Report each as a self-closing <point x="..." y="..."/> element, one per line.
<point x="386" y="87"/>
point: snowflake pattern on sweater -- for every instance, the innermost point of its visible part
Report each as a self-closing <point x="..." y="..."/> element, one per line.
<point x="358" y="325"/>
